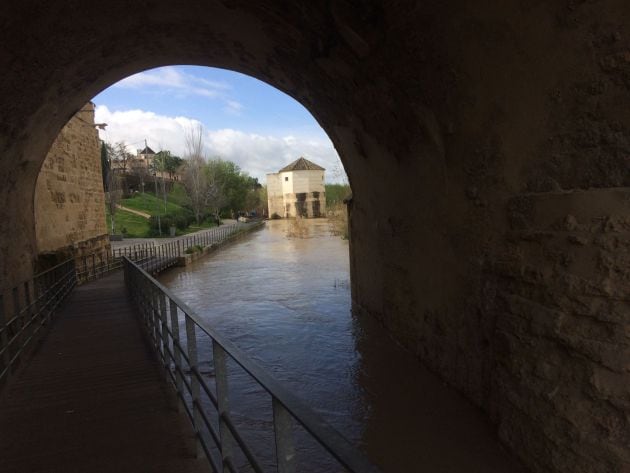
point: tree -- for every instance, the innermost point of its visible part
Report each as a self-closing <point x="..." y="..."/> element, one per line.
<point x="138" y="168"/>
<point x="256" y="199"/>
<point x="216" y="187"/>
<point x="166" y="162"/>
<point x="113" y="196"/>
<point x="195" y="177"/>
<point x="104" y="164"/>
<point x="119" y="156"/>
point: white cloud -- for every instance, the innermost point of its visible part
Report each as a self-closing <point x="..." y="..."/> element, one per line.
<point x="233" y="107"/>
<point x="171" y="77"/>
<point x="257" y="154"/>
<point x="170" y="80"/>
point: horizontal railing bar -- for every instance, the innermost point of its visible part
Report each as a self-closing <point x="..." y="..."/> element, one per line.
<point x="253" y="461"/>
<point x="205" y="387"/>
<point x="228" y="462"/>
<point x="46" y="271"/>
<point x="206" y="421"/>
<point x="182" y="352"/>
<point x="207" y="452"/>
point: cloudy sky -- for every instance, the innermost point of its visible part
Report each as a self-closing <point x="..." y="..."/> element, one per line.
<point x="244" y="120"/>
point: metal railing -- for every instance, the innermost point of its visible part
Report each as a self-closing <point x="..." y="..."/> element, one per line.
<point x="164" y="316"/>
<point x="29" y="308"/>
<point x="155" y="258"/>
<point x="96" y="265"/>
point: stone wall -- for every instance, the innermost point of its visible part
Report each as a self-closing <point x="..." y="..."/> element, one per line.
<point x="294" y="193"/>
<point x="561" y="350"/>
<point x="275" y="197"/>
<point x="69" y="197"/>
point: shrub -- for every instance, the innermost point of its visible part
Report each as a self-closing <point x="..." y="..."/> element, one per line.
<point x="181" y="220"/>
<point x="193" y="249"/>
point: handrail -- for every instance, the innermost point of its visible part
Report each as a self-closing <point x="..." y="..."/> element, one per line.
<point x="158" y="305"/>
<point x="32" y="306"/>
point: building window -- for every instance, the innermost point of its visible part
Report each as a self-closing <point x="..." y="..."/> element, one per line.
<point x="286" y="178"/>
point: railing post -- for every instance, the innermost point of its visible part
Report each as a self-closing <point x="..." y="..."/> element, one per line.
<point x="28" y="310"/>
<point x="221" y="378"/>
<point x="155" y="316"/>
<point x="4" y="340"/>
<point x="165" y="342"/>
<point x="283" y="430"/>
<point x="193" y="363"/>
<point x="177" y="355"/>
<point x="17" y="320"/>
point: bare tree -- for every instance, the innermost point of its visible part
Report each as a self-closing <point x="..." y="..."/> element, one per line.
<point x="113" y="196"/>
<point x="195" y="179"/>
<point x="142" y="171"/>
<point x="120" y="157"/>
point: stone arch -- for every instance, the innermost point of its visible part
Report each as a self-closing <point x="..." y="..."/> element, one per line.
<point x="468" y="132"/>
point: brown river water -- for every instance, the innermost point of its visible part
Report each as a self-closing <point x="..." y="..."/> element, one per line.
<point x="286" y="302"/>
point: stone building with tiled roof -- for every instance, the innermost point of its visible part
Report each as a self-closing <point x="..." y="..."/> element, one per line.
<point x="297" y="190"/>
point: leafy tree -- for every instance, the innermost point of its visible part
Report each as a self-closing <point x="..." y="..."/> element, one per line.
<point x="164" y="161"/>
<point x="105" y="169"/>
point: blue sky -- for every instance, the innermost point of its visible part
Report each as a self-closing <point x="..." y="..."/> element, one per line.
<point x="245" y="120"/>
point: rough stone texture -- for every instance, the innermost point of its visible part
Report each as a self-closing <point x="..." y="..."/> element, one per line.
<point x="562" y="341"/>
<point x="69" y="199"/>
<point x="461" y="125"/>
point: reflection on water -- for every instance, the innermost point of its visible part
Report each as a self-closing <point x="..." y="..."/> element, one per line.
<point x="286" y="302"/>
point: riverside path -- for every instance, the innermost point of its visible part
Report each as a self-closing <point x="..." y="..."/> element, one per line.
<point x="92" y="398"/>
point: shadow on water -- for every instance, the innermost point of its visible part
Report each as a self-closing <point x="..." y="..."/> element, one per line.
<point x="286" y="302"/>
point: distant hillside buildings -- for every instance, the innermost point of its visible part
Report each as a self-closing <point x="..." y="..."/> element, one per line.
<point x="297" y="190"/>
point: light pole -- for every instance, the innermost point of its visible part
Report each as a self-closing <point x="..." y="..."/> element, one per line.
<point x="157" y="201"/>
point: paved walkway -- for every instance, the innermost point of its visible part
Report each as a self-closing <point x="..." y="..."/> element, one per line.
<point x="134" y="211"/>
<point x="92" y="399"/>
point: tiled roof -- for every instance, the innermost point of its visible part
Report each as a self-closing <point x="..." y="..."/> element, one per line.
<point x="147" y="150"/>
<point x="302" y="164"/>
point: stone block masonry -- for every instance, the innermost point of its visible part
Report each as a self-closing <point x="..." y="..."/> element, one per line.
<point x="69" y="197"/>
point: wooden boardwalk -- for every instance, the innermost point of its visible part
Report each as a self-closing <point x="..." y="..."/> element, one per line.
<point x="92" y="399"/>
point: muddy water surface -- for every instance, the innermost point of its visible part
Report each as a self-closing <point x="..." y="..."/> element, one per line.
<point x="286" y="302"/>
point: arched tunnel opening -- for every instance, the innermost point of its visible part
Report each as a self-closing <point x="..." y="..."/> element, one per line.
<point x="487" y="149"/>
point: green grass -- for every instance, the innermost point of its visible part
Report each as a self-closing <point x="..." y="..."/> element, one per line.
<point x="178" y="195"/>
<point x="138" y="227"/>
<point x="150" y="204"/>
<point x="135" y="225"/>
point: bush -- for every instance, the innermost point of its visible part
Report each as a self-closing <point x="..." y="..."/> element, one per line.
<point x="181" y="220"/>
<point x="274" y="216"/>
<point x="193" y="249"/>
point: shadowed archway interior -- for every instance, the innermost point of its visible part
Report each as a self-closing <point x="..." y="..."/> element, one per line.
<point x="487" y="150"/>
